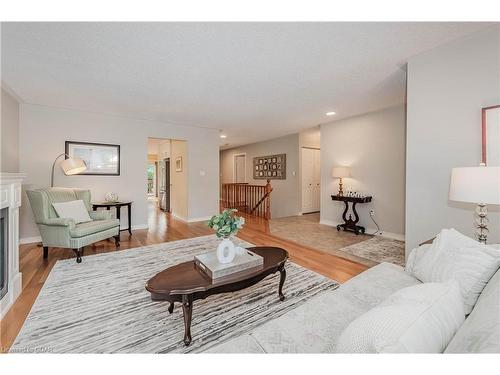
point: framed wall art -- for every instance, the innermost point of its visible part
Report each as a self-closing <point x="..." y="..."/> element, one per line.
<point x="102" y="159"/>
<point x="490" y="125"/>
<point x="178" y="164"/>
<point x="272" y="167"/>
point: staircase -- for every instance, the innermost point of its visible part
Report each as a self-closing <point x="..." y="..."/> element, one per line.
<point x="251" y="199"/>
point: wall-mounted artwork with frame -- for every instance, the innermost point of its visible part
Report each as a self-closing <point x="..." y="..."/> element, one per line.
<point x="102" y="159"/>
<point x="272" y="167"/>
<point x="490" y="124"/>
<point x="178" y="164"/>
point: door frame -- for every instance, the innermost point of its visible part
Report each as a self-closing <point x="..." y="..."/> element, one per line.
<point x="234" y="165"/>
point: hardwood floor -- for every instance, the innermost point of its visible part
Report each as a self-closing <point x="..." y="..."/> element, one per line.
<point x="163" y="227"/>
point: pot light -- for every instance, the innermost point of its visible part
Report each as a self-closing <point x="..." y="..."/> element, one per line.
<point x="223" y="136"/>
<point x="330" y="113"/>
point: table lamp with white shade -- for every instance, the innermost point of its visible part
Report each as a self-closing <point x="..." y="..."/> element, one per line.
<point x="340" y="173"/>
<point x="479" y="185"/>
<point x="70" y="166"/>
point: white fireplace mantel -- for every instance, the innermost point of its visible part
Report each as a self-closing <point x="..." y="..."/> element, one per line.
<point x="10" y="197"/>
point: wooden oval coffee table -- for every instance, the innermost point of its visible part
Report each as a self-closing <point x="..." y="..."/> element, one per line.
<point x="185" y="283"/>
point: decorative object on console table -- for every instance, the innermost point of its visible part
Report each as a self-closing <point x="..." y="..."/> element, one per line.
<point x="70" y="166"/>
<point x="184" y="283"/>
<point x="479" y="185"/>
<point x="340" y="173"/>
<point x="101" y="159"/>
<point x="271" y="167"/>
<point x="349" y="223"/>
<point x="225" y="225"/>
<point x="111" y="197"/>
<point x="118" y="206"/>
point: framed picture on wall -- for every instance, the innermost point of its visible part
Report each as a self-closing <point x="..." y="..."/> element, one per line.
<point x="491" y="136"/>
<point x="102" y="159"/>
<point x="178" y="164"/>
<point x="270" y="167"/>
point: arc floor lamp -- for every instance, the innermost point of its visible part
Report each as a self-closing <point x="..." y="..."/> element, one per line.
<point x="70" y="166"/>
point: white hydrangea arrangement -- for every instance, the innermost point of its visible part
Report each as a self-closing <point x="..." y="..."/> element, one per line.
<point x="226" y="223"/>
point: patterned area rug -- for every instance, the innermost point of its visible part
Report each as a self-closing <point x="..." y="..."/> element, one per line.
<point x="101" y="305"/>
<point x="379" y="249"/>
<point x="364" y="249"/>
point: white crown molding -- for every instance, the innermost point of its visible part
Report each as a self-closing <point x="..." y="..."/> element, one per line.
<point x="11" y="92"/>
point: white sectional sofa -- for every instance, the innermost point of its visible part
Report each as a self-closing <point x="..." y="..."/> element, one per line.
<point x="315" y="326"/>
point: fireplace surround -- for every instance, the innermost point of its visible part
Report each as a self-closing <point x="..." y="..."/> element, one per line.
<point x="10" y="201"/>
<point x="4" y="251"/>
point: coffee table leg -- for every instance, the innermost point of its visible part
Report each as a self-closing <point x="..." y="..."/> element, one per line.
<point x="187" y="309"/>
<point x="282" y="281"/>
<point x="171" y="308"/>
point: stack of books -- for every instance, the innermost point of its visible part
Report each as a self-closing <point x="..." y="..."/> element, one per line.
<point x="244" y="262"/>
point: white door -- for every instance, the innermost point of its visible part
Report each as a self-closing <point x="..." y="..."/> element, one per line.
<point x="311" y="178"/>
<point x="239" y="168"/>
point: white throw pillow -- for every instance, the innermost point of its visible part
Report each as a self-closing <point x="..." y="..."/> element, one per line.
<point x="75" y="210"/>
<point x="415" y="255"/>
<point x="455" y="256"/>
<point x="418" y="319"/>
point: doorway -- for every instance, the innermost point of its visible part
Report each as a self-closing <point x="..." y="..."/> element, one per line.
<point x="165" y="186"/>
<point x="158" y="172"/>
<point x="240" y="165"/>
<point x="311" y="179"/>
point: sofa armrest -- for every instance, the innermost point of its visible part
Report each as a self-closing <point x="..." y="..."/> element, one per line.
<point x="100" y="215"/>
<point x="59" y="222"/>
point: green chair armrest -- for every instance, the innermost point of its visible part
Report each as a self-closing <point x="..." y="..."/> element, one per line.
<point x="59" y="222"/>
<point x="100" y="215"/>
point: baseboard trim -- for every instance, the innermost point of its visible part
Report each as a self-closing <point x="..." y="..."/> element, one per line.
<point x="394" y="236"/>
<point x="140" y="226"/>
<point x="197" y="219"/>
<point x="26" y="240"/>
<point x="181" y="218"/>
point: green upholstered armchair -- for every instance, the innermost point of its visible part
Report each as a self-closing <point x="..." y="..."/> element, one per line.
<point x="63" y="232"/>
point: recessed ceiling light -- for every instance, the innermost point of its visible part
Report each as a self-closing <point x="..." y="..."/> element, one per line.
<point x="223" y="136"/>
<point x="330" y="113"/>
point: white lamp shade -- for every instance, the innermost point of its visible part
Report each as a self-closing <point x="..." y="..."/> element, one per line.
<point x="72" y="166"/>
<point x="475" y="185"/>
<point x="341" y="172"/>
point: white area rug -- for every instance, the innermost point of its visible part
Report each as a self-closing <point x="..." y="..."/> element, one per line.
<point x="101" y="305"/>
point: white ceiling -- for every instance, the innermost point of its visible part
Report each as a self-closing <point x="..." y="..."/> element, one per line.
<point x="253" y="80"/>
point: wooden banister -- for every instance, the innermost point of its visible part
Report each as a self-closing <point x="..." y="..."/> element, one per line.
<point x="251" y="199"/>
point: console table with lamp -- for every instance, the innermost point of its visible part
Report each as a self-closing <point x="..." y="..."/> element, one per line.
<point x="350" y="224"/>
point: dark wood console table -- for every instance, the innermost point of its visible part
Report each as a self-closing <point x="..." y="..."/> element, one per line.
<point x="118" y="206"/>
<point x="349" y="223"/>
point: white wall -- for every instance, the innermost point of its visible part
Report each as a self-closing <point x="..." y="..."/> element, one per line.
<point x="310" y="137"/>
<point x="285" y="198"/>
<point x="447" y="87"/>
<point x="43" y="131"/>
<point x="373" y="146"/>
<point x="9" y="133"/>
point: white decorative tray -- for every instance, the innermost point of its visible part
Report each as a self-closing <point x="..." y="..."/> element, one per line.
<point x="209" y="264"/>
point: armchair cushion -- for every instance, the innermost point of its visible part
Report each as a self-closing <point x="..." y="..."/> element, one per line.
<point x="91" y="227"/>
<point x="75" y="210"/>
